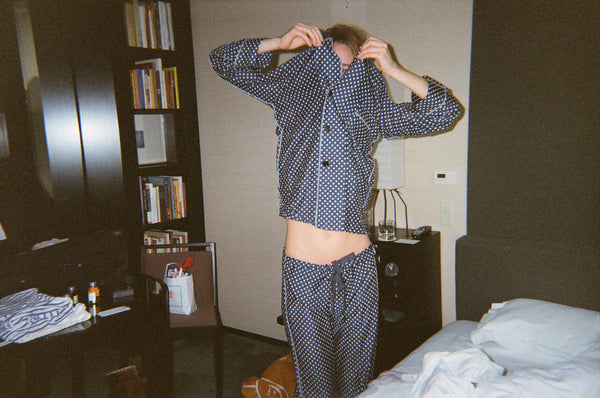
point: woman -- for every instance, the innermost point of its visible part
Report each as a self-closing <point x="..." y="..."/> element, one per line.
<point x="331" y="105"/>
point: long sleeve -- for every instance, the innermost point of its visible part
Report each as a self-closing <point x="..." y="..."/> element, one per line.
<point x="434" y="113"/>
<point x="240" y="64"/>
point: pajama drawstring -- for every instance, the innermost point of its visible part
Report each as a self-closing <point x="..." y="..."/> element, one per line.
<point x="338" y="301"/>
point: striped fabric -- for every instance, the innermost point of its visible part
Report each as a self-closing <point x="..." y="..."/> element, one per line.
<point x="28" y="312"/>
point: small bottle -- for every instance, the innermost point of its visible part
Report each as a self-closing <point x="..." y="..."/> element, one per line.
<point x="93" y="310"/>
<point x="73" y="294"/>
<point x="93" y="293"/>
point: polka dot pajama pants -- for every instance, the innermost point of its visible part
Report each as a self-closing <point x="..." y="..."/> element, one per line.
<point x="330" y="314"/>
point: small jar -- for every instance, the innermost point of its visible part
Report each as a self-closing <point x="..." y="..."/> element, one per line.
<point x="72" y="293"/>
<point x="93" y="293"/>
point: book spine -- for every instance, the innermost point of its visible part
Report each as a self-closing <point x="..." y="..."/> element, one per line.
<point x="172" y="86"/>
<point x="170" y="27"/>
<point x="130" y="23"/>
<point x="143" y="200"/>
<point x="141" y="25"/>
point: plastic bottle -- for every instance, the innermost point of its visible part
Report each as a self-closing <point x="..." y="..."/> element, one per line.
<point x="93" y="293"/>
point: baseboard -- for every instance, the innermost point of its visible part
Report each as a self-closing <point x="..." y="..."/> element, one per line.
<point x="254" y="336"/>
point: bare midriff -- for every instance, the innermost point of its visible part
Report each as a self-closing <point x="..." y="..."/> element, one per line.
<point x="318" y="246"/>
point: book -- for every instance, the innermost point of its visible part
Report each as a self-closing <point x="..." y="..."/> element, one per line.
<point x="130" y="23"/>
<point x="141" y="24"/>
<point x="157" y="237"/>
<point x="169" y="23"/>
<point x="153" y="86"/>
<point x="178" y="237"/>
<point x="172" y="87"/>
<point x="149" y="24"/>
<point x="164" y="237"/>
<point x="163" y="198"/>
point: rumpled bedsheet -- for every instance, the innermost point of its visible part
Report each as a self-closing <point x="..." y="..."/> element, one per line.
<point x="470" y="373"/>
<point x="454" y="374"/>
<point x="28" y="314"/>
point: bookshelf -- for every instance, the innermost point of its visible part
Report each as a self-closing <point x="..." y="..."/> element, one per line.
<point x="99" y="141"/>
<point x="158" y="123"/>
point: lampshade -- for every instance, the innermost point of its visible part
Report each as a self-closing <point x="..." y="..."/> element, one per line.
<point x="389" y="156"/>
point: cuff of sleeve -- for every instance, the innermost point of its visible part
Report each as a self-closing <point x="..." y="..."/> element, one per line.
<point x="248" y="54"/>
<point x="435" y="92"/>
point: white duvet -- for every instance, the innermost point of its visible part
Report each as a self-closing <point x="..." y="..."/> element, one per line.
<point x="470" y="373"/>
<point x="467" y="371"/>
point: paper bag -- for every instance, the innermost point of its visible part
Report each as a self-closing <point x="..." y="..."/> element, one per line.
<point x="181" y="292"/>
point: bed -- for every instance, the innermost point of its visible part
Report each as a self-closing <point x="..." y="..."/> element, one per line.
<point x="529" y="327"/>
<point x="522" y="332"/>
<point x="520" y="348"/>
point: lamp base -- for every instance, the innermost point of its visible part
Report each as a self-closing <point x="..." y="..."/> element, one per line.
<point x="402" y="236"/>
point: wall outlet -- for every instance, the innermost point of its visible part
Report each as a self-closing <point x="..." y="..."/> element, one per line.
<point x="447" y="213"/>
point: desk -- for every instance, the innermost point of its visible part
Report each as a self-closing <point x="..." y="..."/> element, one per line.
<point x="142" y="330"/>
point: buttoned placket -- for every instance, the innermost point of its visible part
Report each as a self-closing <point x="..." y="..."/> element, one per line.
<point x="324" y="160"/>
<point x="320" y="160"/>
<point x="329" y="139"/>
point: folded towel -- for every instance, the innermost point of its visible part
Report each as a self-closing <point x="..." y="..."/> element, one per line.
<point x="27" y="315"/>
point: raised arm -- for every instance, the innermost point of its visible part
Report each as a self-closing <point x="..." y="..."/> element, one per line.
<point x="433" y="107"/>
<point x="299" y="35"/>
<point x="244" y="63"/>
<point x="379" y="51"/>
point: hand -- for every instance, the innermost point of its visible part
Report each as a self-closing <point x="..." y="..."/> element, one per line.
<point x="301" y="35"/>
<point x="379" y="51"/>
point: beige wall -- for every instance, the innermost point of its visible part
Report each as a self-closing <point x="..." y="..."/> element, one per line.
<point x="238" y="142"/>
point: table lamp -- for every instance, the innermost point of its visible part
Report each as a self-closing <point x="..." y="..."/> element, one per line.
<point x="389" y="156"/>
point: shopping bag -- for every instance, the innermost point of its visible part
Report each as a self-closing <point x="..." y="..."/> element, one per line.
<point x="181" y="290"/>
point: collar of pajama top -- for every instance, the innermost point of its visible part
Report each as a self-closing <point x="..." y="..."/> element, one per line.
<point x="327" y="123"/>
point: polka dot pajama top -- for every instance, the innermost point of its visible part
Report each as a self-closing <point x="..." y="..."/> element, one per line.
<point x="327" y="123"/>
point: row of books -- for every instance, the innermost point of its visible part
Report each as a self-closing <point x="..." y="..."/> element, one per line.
<point x="154" y="87"/>
<point x="149" y="24"/>
<point x="162" y="198"/>
<point x="164" y="237"/>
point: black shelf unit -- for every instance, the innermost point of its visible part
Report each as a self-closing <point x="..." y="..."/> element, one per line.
<point x="184" y="160"/>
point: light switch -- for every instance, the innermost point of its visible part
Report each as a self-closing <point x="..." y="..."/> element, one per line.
<point x="445" y="177"/>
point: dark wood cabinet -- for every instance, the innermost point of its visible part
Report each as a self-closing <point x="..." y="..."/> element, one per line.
<point x="409" y="295"/>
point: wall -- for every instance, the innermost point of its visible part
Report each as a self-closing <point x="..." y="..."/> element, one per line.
<point x="534" y="138"/>
<point x="238" y="139"/>
<point x="534" y="169"/>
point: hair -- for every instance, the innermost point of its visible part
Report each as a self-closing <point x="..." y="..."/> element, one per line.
<point x="349" y="35"/>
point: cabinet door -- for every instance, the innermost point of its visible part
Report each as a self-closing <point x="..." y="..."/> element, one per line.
<point x="93" y="53"/>
<point x="79" y="126"/>
<point x="52" y="102"/>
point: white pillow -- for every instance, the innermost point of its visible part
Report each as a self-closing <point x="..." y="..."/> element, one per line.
<point x="540" y="329"/>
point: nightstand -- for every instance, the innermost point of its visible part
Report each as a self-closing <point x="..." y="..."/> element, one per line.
<point x="409" y="295"/>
